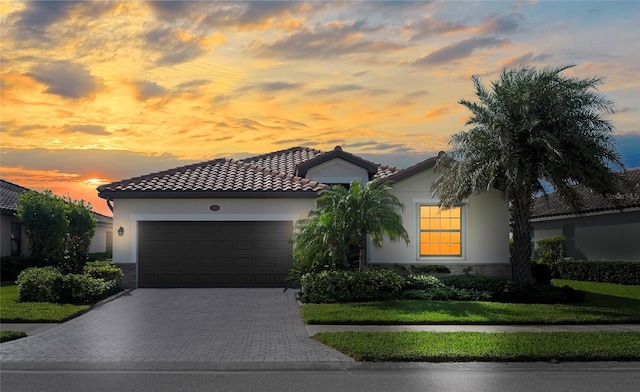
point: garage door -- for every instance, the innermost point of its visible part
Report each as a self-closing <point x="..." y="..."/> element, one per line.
<point x="213" y="254"/>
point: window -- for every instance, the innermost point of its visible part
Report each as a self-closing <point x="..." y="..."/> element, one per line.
<point x="16" y="229"/>
<point x="440" y="231"/>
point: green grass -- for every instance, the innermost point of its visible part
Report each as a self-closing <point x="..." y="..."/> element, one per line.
<point x="605" y="303"/>
<point x="476" y="346"/>
<point x="5" y="336"/>
<point x="40" y="312"/>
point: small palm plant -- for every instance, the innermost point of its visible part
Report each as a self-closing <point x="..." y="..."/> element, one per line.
<point x="345" y="217"/>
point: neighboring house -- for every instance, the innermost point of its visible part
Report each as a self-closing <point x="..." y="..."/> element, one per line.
<point x="229" y="222"/>
<point x="605" y="228"/>
<point x="14" y="241"/>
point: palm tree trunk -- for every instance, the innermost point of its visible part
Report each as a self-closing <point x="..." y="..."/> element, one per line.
<point x="521" y="218"/>
<point x="363" y="252"/>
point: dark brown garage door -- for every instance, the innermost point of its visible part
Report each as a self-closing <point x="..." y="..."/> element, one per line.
<point x="213" y="254"/>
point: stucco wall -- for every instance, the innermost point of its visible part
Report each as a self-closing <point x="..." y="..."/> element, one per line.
<point x="485" y="234"/>
<point x="128" y="212"/>
<point x="597" y="237"/>
<point x="102" y="237"/>
<point x="337" y="171"/>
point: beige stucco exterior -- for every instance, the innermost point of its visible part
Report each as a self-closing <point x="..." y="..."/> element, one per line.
<point x="485" y="227"/>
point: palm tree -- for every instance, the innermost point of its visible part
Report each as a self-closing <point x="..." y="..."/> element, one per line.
<point x="347" y="216"/>
<point x="531" y="128"/>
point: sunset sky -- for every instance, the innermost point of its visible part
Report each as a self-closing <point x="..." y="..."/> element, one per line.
<point x="95" y="92"/>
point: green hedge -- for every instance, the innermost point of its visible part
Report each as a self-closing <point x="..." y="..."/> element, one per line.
<point x="11" y="266"/>
<point x="620" y="272"/>
<point x="48" y="284"/>
<point x="384" y="284"/>
<point x="350" y="286"/>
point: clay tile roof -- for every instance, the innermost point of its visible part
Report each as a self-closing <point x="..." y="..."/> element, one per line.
<point x="628" y="196"/>
<point x="9" y="194"/>
<point x="267" y="175"/>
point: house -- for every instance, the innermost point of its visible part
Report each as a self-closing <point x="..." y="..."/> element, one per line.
<point x="14" y="241"/>
<point x="229" y="222"/>
<point x="605" y="228"/>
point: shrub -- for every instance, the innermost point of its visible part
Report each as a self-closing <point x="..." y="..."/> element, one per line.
<point x="351" y="286"/>
<point x="620" y="272"/>
<point x="39" y="285"/>
<point x="550" y="250"/>
<point x="81" y="288"/>
<point x="430" y="269"/>
<point x="11" y="266"/>
<point x="107" y="271"/>
<point x="541" y="273"/>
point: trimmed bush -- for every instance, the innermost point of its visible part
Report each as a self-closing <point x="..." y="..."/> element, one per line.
<point x="39" y="285"/>
<point x="430" y="269"/>
<point x="351" y="286"/>
<point x="106" y="271"/>
<point x="427" y="287"/>
<point x="550" y="250"/>
<point x="82" y="289"/>
<point x="620" y="272"/>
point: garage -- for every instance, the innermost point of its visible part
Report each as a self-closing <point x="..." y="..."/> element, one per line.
<point x="214" y="253"/>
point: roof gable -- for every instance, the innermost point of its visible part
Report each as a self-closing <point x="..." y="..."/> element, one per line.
<point x="627" y="197"/>
<point x="337" y="153"/>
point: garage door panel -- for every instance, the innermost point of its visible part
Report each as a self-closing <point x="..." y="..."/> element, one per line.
<point x="214" y="254"/>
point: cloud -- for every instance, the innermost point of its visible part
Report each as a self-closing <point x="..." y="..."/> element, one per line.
<point x="174" y="46"/>
<point x="429" y="27"/>
<point x="331" y="40"/>
<point x="342" y="88"/>
<point x="460" y="50"/>
<point x="269" y="87"/>
<point x="111" y="164"/>
<point x="65" y="79"/>
<point x="86" y="128"/>
<point x="437" y="112"/>
<point x="34" y="22"/>
<point x="192" y="85"/>
<point x="146" y="89"/>
<point x="501" y="24"/>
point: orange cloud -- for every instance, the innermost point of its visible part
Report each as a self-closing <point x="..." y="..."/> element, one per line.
<point x="437" y="112"/>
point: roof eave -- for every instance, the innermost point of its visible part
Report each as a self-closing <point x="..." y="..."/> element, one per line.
<point x="111" y="195"/>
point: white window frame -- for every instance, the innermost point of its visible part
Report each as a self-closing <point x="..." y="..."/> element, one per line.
<point x="463" y="234"/>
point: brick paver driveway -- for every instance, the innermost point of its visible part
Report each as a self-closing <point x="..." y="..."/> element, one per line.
<point x="180" y="325"/>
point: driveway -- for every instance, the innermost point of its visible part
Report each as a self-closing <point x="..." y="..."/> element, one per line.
<point x="180" y="325"/>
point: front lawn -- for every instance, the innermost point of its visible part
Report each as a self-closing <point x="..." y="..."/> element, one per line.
<point x="605" y="303"/>
<point x="493" y="347"/>
<point x="37" y="312"/>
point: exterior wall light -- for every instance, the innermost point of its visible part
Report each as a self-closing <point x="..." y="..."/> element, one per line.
<point x="120" y="231"/>
<point x="214" y="207"/>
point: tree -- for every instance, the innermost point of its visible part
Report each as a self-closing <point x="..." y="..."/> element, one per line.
<point x="531" y="128"/>
<point x="44" y="218"/>
<point x="82" y="226"/>
<point x="347" y="216"/>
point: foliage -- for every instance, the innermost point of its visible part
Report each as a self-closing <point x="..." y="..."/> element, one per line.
<point x="36" y="312"/>
<point x="45" y="220"/>
<point x="531" y="127"/>
<point x="541" y="273"/>
<point x="550" y="251"/>
<point x="100" y="256"/>
<point x="6" y="336"/>
<point x="11" y="266"/>
<point x="49" y="284"/>
<point x="106" y="271"/>
<point x="39" y="285"/>
<point x="622" y="272"/>
<point x="82" y="289"/>
<point x="481" y="346"/>
<point x="82" y="225"/>
<point x="350" y="286"/>
<point x="343" y="220"/>
<point x="430" y="269"/>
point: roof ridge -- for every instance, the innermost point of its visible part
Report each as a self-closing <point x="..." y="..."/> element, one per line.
<point x="280" y="152"/>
